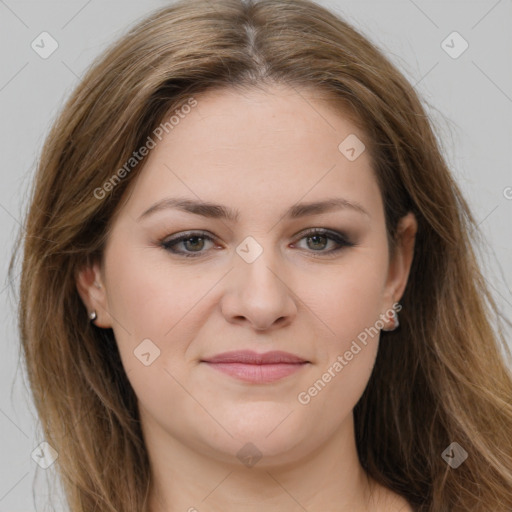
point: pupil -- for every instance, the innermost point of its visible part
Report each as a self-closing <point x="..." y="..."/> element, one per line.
<point x="194" y="238"/>
<point x="317" y="237"/>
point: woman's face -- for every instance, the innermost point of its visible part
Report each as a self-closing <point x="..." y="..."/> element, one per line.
<point x="250" y="276"/>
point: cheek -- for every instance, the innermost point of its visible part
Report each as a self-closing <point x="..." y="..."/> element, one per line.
<point x="350" y="308"/>
<point x="350" y="299"/>
<point x="147" y="302"/>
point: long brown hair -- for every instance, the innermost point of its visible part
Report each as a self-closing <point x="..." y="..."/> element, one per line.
<point x="440" y="378"/>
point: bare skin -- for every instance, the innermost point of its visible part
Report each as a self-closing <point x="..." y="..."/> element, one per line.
<point x="259" y="153"/>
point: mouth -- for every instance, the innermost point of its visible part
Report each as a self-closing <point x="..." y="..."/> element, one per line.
<point x="253" y="367"/>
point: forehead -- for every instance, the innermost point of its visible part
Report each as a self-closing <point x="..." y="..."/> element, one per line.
<point x="277" y="146"/>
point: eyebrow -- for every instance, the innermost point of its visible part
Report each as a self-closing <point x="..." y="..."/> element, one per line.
<point x="218" y="211"/>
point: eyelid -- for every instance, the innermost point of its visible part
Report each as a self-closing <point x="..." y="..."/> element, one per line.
<point x="325" y="231"/>
<point x="167" y="242"/>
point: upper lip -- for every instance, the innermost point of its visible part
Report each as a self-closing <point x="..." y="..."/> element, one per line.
<point x="251" y="357"/>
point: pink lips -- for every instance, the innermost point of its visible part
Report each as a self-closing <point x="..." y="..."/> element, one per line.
<point x="251" y="366"/>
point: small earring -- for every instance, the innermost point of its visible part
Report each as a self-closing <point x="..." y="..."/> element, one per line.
<point x="92" y="316"/>
<point x="395" y="318"/>
<point x="396" y="322"/>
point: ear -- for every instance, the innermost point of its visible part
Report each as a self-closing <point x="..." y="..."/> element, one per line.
<point x="92" y="290"/>
<point x="400" y="264"/>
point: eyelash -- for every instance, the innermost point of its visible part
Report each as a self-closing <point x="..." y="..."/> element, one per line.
<point x="339" y="238"/>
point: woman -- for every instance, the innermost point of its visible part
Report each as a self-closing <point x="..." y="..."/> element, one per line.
<point x="228" y="215"/>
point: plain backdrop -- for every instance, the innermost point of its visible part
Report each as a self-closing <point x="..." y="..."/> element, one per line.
<point x="468" y="96"/>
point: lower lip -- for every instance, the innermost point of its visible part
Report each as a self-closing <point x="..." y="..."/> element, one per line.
<point x="258" y="373"/>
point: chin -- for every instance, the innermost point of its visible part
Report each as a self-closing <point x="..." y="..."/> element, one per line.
<point x="265" y="443"/>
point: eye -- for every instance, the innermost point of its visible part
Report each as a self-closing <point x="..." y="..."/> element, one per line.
<point x="320" y="239"/>
<point x="193" y="242"/>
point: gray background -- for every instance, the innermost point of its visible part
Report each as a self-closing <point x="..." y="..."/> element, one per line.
<point x="469" y="99"/>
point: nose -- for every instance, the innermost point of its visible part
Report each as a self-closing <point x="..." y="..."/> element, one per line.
<point x="257" y="294"/>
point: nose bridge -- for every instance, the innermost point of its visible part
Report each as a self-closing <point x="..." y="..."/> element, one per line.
<point x="259" y="259"/>
<point x="258" y="290"/>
